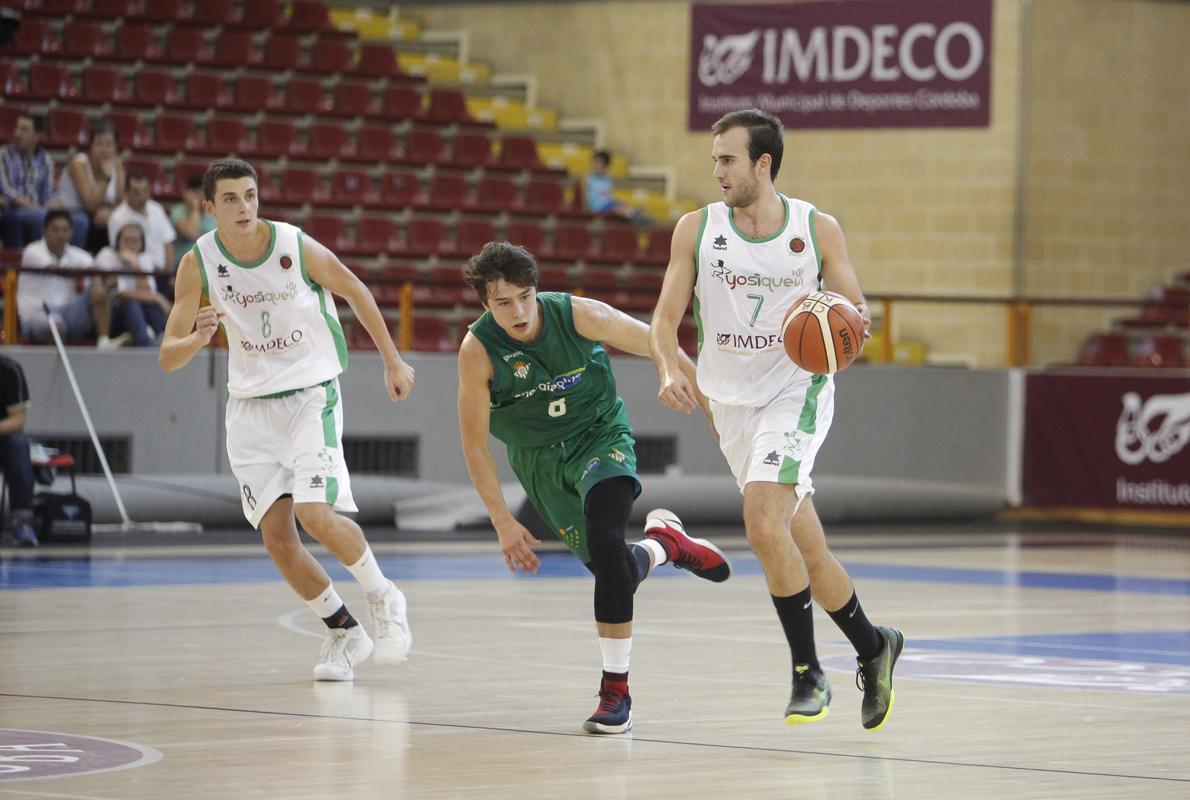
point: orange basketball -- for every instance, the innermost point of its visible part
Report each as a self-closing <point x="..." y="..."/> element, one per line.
<point x="823" y="332"/>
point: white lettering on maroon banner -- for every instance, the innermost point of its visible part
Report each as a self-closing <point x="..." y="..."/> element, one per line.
<point x="870" y="64"/>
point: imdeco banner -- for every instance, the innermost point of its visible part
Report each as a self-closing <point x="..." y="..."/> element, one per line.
<point x="871" y="64"/>
<point x="1099" y="441"/>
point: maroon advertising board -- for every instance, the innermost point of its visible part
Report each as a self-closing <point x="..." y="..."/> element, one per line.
<point x="860" y="64"/>
<point x="1098" y="441"/>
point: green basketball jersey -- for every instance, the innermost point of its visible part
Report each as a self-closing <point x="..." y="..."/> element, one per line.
<point x="551" y="389"/>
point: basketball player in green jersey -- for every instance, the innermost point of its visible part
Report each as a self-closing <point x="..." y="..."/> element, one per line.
<point x="748" y="259"/>
<point x="271" y="288"/>
<point x="533" y="372"/>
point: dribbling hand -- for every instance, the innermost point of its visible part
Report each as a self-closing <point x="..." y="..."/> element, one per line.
<point x="862" y="308"/>
<point x="206" y="322"/>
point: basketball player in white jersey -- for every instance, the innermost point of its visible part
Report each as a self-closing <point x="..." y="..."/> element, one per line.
<point x="271" y="288"/>
<point x="748" y="259"/>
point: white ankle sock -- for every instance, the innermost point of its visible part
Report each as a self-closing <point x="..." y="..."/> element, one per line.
<point x="658" y="552"/>
<point x="326" y="603"/>
<point x="368" y="573"/>
<point x="615" y="654"/>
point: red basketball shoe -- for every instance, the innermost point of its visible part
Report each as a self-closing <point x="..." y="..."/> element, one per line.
<point x="697" y="555"/>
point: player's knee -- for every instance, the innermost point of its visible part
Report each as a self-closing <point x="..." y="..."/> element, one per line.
<point x="315" y="518"/>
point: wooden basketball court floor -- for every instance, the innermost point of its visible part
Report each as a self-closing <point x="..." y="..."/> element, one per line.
<point x="1038" y="665"/>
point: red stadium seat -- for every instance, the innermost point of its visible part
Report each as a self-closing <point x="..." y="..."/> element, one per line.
<point x="571" y="242"/>
<point x="305" y="96"/>
<point x="174" y="133"/>
<point x="49" y="82"/>
<point x="253" y="93"/>
<point x="207" y="90"/>
<point x="66" y="127"/>
<point x="447" y="192"/>
<point x="400" y="190"/>
<point x="331" y="55"/>
<point x="227" y="136"/>
<point x="12" y="82"/>
<point x="283" y="51"/>
<point x="374" y="143"/>
<point x="216" y="12"/>
<point x="351" y="187"/>
<point x="619" y="243"/>
<point x="544" y="196"/>
<point x="308" y="16"/>
<point x="184" y="171"/>
<point x="111" y="9"/>
<point x="377" y="60"/>
<point x="104" y="85"/>
<point x="130" y="128"/>
<point x="184" y="44"/>
<point x="33" y="36"/>
<point x="471" y="236"/>
<point x="471" y="150"/>
<point x="164" y="11"/>
<point x="153" y="88"/>
<point x="85" y="40"/>
<point x="261" y="15"/>
<point x="526" y="233"/>
<point x="1104" y="350"/>
<point x="276" y="138"/>
<point x="327" y="229"/>
<point x="376" y="236"/>
<point x="423" y="236"/>
<point x="235" y="46"/>
<point x="423" y="146"/>
<point x="496" y="193"/>
<point x="149" y="167"/>
<point x="326" y="140"/>
<point x="399" y="102"/>
<point x="518" y="152"/>
<point x="351" y="99"/>
<point x="447" y="106"/>
<point x="299" y="185"/>
<point x="431" y="334"/>
<point x="657" y="250"/>
<point x="1160" y="350"/>
<point x="136" y="43"/>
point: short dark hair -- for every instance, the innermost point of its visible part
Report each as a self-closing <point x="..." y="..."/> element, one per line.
<point x="765" y="134"/>
<point x="500" y="260"/>
<point x="57" y="213"/>
<point x="195" y="181"/>
<point x="604" y="156"/>
<point x="38" y="120"/>
<point x="100" y="127"/>
<point x="226" y="169"/>
<point x="134" y="175"/>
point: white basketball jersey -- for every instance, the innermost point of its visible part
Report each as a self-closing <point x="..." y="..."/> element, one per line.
<point x="743" y="288"/>
<point x="283" y="332"/>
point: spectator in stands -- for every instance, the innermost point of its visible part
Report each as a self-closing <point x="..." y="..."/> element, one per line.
<point x="190" y="219"/>
<point x="137" y="308"/>
<point x="139" y="208"/>
<point x="75" y="305"/>
<point x="26" y="180"/>
<point x="14" y="453"/>
<point x="92" y="184"/>
<point x="598" y="191"/>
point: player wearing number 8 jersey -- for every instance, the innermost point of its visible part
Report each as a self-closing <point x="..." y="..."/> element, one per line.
<point x="272" y="288"/>
<point x="747" y="259"/>
<point x="533" y="373"/>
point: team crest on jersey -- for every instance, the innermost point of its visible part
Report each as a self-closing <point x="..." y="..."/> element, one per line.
<point x="720" y="243"/>
<point x="222" y="271"/>
<point x="795" y="444"/>
<point x="797" y="244"/>
<point x="286" y="262"/>
<point x="520" y="369"/>
<point x="617" y="456"/>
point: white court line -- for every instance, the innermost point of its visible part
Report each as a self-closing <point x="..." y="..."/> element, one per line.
<point x="55" y="794"/>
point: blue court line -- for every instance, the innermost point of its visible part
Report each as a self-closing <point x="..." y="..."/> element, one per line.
<point x="45" y="571"/>
<point x="1150" y="647"/>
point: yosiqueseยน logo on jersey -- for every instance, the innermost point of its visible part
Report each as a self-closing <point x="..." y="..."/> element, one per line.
<point x="243" y="300"/>
<point x="752" y="280"/>
<point x="1156" y="430"/>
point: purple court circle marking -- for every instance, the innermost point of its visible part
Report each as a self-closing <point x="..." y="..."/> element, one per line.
<point x="29" y="755"/>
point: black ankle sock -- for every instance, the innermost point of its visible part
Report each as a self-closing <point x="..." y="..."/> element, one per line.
<point x="797" y="618"/>
<point x="340" y="619"/>
<point x="855" y="626"/>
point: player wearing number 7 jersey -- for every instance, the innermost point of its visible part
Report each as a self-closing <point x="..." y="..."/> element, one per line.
<point x="271" y="288"/>
<point x="533" y="372"/>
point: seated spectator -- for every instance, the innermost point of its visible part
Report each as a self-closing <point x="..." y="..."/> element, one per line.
<point x="14" y="453"/>
<point x="76" y="304"/>
<point x="26" y="180"/>
<point x="190" y="219"/>
<point x="598" y="191"/>
<point x="141" y="209"/>
<point x="92" y="184"/>
<point x="138" y="308"/>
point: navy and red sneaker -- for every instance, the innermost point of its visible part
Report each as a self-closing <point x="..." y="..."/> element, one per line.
<point x="614" y="714"/>
<point x="684" y="552"/>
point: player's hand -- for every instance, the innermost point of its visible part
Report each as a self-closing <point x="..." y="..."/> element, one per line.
<point x="862" y="308"/>
<point x="206" y="322"/>
<point x="677" y="393"/>
<point x="517" y="544"/>
<point x="398" y="377"/>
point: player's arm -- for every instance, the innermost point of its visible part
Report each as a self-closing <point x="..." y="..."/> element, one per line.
<point x="837" y="273"/>
<point x="189" y="328"/>
<point x="602" y="323"/>
<point x="325" y="269"/>
<point x="678" y="390"/>
<point x="475" y="375"/>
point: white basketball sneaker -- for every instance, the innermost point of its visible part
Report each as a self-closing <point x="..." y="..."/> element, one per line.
<point x="342" y="650"/>
<point x="390" y="625"/>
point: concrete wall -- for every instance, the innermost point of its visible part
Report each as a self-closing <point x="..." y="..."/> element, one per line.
<point x="933" y="424"/>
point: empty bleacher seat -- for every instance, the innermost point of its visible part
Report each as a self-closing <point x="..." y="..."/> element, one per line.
<point x="375" y="143"/>
<point x="135" y="42"/>
<point x="1160" y="350"/>
<point x="496" y="193"/>
<point x="399" y="102"/>
<point x="377" y="60"/>
<point x="66" y="127"/>
<point x="216" y="12"/>
<point x="206" y="90"/>
<point x="49" y="82"/>
<point x="283" y="51"/>
<point x="305" y="96"/>
<point x="153" y="87"/>
<point x="85" y="40"/>
<point x="331" y="55"/>
<point x="351" y="99"/>
<point x="1106" y="349"/>
<point x="527" y="233"/>
<point x="184" y="44"/>
<point x="326" y="140"/>
<point x="276" y="138"/>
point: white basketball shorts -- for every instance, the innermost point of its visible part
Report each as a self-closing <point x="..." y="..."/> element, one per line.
<point x="292" y="445"/>
<point x="777" y="443"/>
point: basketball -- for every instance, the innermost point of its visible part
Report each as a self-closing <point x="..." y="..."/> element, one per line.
<point x="823" y="332"/>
